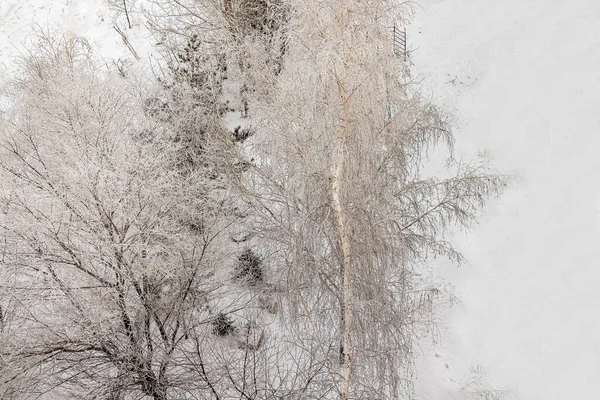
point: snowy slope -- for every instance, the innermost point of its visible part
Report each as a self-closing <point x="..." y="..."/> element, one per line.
<point x="22" y="20"/>
<point x="522" y="78"/>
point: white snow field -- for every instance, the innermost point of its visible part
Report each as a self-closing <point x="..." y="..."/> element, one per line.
<point x="21" y="21"/>
<point x="522" y="78"/>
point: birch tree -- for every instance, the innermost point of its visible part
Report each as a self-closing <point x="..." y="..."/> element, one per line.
<point x="340" y="196"/>
<point x="339" y="200"/>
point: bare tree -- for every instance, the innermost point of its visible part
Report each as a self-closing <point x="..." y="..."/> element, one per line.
<point x="340" y="197"/>
<point x="111" y="256"/>
<point x="119" y="275"/>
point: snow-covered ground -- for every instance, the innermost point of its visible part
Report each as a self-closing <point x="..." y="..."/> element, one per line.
<point x="521" y="77"/>
<point x="523" y="80"/>
<point x="21" y="21"/>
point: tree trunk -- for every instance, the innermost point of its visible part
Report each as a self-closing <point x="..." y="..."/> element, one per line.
<point x="346" y="311"/>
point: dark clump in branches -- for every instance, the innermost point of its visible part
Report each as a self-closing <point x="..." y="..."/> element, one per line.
<point x="250" y="268"/>
<point x="241" y="134"/>
<point x="246" y="17"/>
<point x="223" y="325"/>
